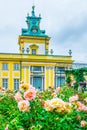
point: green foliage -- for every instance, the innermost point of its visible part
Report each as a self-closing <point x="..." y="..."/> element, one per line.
<point x="78" y="74"/>
<point x="37" y="118"/>
<point x="68" y="80"/>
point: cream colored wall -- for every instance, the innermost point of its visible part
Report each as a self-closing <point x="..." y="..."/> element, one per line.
<point x="41" y="47"/>
<point x="25" y="42"/>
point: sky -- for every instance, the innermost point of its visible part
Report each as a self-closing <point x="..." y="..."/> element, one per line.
<point x="65" y="21"/>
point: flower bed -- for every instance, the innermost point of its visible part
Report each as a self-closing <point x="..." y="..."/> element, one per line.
<point x="29" y="109"/>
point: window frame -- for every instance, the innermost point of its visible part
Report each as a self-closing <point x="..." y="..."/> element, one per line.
<point x="4" y="66"/>
<point x="33" y="53"/>
<point x="16" y="66"/>
<point x="5" y="83"/>
<point x="16" y="84"/>
<point x="32" y="69"/>
<point x="59" y="70"/>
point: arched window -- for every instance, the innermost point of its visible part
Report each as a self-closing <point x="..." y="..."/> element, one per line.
<point x="34" y="49"/>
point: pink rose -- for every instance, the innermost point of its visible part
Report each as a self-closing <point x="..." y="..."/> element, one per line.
<point x="83" y="123"/>
<point x="18" y="97"/>
<point x="85" y="99"/>
<point x="81" y="107"/>
<point x="30" y="94"/>
<point x="23" y="105"/>
<point x="74" y="98"/>
<point x="84" y="108"/>
<point x="6" y="127"/>
<point x="79" y="117"/>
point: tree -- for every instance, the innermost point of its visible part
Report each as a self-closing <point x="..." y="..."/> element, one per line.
<point x="78" y="74"/>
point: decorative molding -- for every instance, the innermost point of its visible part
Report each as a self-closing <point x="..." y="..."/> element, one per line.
<point x="5" y="76"/>
<point x="30" y="63"/>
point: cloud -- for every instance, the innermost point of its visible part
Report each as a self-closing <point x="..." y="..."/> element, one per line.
<point x="74" y="30"/>
<point x="65" y="21"/>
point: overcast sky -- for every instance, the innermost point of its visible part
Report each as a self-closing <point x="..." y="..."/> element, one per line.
<point x="65" y="21"/>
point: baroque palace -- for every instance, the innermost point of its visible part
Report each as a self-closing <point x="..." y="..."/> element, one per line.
<point x="34" y="64"/>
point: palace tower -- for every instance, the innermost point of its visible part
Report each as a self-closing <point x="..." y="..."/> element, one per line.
<point x="34" y="64"/>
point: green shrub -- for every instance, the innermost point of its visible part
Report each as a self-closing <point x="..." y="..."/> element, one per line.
<point x="37" y="117"/>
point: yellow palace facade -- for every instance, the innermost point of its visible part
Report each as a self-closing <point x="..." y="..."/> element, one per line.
<point x="34" y="64"/>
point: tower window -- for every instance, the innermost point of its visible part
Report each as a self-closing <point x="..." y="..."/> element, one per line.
<point x="34" y="51"/>
<point x="34" y="29"/>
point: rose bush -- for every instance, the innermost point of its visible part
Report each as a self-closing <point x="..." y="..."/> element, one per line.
<point x="53" y="109"/>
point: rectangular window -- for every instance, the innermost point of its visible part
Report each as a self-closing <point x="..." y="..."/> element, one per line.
<point x="16" y="84"/>
<point x="5" y="83"/>
<point x="36" y="69"/>
<point x="5" y="66"/>
<point x="37" y="82"/>
<point x="16" y="66"/>
<point x="60" y="70"/>
<point x="34" y="51"/>
<point x="59" y="81"/>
